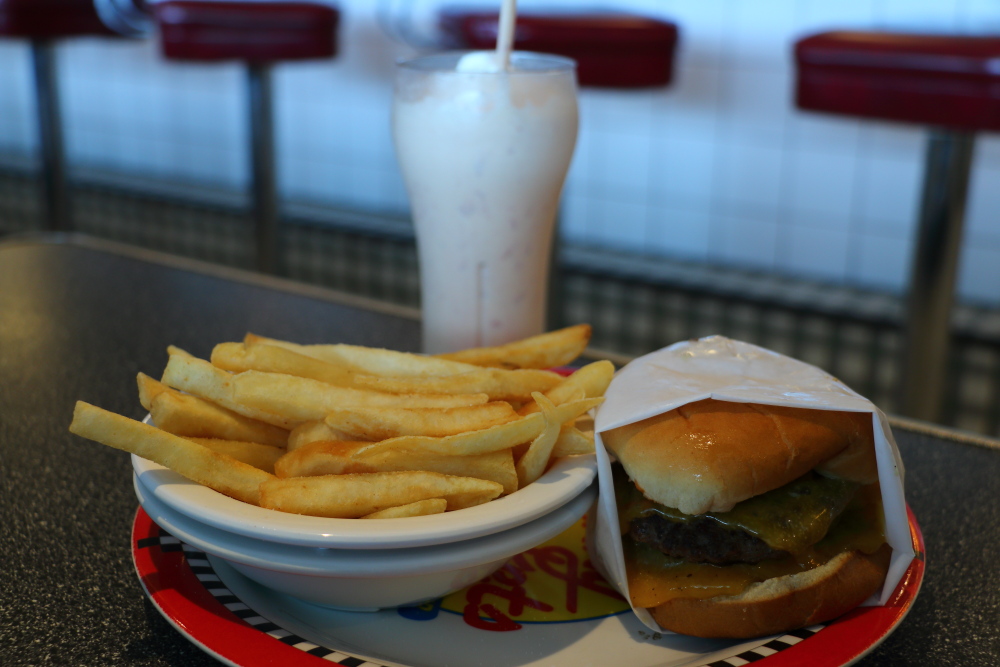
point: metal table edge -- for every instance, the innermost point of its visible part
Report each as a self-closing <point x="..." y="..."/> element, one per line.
<point x="943" y="432"/>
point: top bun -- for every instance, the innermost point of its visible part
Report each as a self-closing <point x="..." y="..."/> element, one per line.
<point x="709" y="455"/>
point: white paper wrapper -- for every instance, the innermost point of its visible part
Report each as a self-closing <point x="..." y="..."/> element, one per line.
<point x="728" y="370"/>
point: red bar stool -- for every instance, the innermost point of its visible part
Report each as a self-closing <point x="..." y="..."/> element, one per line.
<point x="611" y="49"/>
<point x="949" y="84"/>
<point x="259" y="34"/>
<point x="43" y="22"/>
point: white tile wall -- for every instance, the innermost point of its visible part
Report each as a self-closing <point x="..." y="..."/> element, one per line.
<point x="881" y="259"/>
<point x="744" y="241"/>
<point x="821" y="188"/>
<point x="719" y="167"/>
<point x="17" y="105"/>
<point x="679" y="231"/>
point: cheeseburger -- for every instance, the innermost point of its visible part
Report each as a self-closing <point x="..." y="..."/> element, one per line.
<point x="741" y="520"/>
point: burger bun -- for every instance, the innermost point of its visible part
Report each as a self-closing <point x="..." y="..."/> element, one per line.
<point x="709" y="455"/>
<point x="782" y="603"/>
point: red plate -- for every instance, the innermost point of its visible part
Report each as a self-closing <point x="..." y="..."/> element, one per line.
<point x="189" y="593"/>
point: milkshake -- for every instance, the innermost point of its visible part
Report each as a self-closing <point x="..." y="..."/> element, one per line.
<point x="484" y="155"/>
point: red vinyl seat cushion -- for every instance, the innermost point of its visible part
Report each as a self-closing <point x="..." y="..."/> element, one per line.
<point x="250" y="31"/>
<point x="950" y="81"/>
<point x="49" y="19"/>
<point x="611" y="49"/>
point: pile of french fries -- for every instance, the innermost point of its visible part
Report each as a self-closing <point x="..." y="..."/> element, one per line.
<point x="346" y="431"/>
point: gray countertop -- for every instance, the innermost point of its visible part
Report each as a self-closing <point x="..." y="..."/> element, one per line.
<point x="79" y="319"/>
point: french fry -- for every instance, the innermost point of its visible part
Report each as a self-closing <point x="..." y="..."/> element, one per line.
<point x="201" y="378"/>
<point x="370" y="360"/>
<point x="384" y="423"/>
<point x="149" y="389"/>
<point x="419" y="508"/>
<point x="572" y="441"/>
<point x="298" y="399"/>
<point x="575" y="438"/>
<point x="239" y="357"/>
<point x="196" y="462"/>
<point x="312" y="431"/>
<point x="498" y="384"/>
<point x="355" y="495"/>
<point x="252" y="453"/>
<point x="531" y="466"/>
<point x="592" y="380"/>
<point x="174" y="351"/>
<point x="336" y="458"/>
<point x="189" y="416"/>
<point x="486" y="440"/>
<point x="547" y="350"/>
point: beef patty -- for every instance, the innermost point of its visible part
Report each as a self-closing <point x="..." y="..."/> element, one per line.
<point x="701" y="540"/>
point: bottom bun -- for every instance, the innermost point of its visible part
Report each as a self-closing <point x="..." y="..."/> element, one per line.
<point x="783" y="603"/>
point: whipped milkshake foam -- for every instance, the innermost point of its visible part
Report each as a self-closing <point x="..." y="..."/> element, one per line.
<point x="484" y="155"/>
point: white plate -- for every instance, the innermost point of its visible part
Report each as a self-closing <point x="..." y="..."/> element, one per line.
<point x="565" y="480"/>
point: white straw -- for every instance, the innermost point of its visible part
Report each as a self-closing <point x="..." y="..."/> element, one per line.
<point x="505" y="33"/>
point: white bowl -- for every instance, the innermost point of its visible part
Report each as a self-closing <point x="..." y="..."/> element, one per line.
<point x="565" y="480"/>
<point x="364" y="579"/>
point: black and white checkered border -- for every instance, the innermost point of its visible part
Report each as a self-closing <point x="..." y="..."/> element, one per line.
<point x="202" y="569"/>
<point x="770" y="648"/>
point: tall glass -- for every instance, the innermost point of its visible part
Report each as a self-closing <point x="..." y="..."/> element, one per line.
<point x="484" y="156"/>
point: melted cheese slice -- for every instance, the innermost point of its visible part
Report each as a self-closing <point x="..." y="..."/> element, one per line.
<point x="812" y="518"/>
